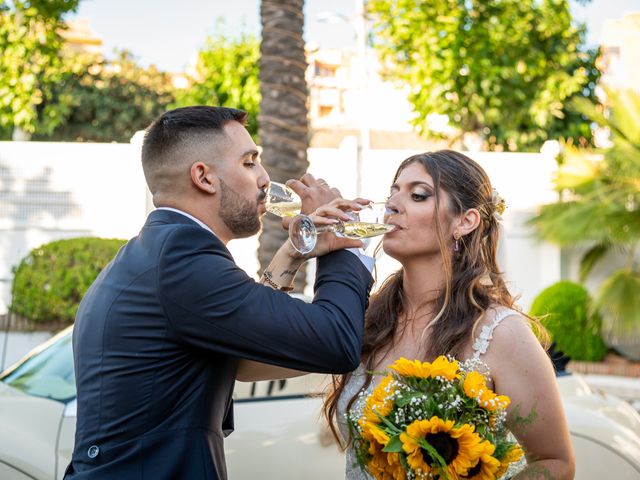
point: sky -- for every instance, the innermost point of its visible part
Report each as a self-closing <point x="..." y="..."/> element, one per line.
<point x="169" y="33"/>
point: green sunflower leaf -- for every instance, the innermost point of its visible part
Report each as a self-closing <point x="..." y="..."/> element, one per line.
<point x="433" y="453"/>
<point x="394" y="445"/>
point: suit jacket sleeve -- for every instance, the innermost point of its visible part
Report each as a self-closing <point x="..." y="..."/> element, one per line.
<point x="214" y="306"/>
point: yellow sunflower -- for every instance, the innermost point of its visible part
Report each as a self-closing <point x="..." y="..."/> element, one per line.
<point x="375" y="433"/>
<point x="385" y="466"/>
<point x="379" y="401"/>
<point x="441" y="366"/>
<point x="475" y="386"/>
<point x="513" y="455"/>
<point x="376" y="467"/>
<point x="487" y="465"/>
<point x="395" y="467"/>
<point x="460" y="447"/>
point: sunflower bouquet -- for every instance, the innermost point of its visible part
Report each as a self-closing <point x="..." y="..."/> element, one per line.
<point x="434" y="420"/>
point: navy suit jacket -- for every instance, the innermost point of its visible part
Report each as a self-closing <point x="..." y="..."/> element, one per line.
<point x="157" y="340"/>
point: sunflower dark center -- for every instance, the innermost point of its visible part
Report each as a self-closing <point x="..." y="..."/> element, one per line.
<point x="474" y="471"/>
<point x="446" y="447"/>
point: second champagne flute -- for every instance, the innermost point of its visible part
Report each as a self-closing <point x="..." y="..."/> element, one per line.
<point x="368" y="222"/>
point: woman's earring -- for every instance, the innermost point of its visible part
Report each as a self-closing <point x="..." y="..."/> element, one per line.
<point x="456" y="245"/>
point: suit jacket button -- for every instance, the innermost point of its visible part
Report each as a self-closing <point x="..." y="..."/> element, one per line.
<point x="93" y="451"/>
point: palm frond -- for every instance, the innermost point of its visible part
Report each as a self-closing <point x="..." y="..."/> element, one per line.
<point x="619" y="297"/>
<point x="579" y="170"/>
<point x="591" y="258"/>
<point x="626" y="115"/>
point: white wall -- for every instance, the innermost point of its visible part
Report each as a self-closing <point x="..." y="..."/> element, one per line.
<point x="50" y="191"/>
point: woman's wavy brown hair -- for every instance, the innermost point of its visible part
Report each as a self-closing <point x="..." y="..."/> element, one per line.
<point x="473" y="280"/>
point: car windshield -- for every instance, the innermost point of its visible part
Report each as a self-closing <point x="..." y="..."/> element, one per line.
<point x="46" y="372"/>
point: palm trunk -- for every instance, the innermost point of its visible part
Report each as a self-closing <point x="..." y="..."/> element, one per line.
<point x="283" y="126"/>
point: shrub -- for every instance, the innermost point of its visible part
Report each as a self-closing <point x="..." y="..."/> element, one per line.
<point x="49" y="283"/>
<point x="570" y="321"/>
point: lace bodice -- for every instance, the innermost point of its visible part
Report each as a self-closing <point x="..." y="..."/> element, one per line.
<point x="358" y="377"/>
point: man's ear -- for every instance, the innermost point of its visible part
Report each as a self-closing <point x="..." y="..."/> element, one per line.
<point x="468" y="222"/>
<point x="203" y="177"/>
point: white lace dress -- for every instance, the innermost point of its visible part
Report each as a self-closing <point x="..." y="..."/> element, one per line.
<point x="358" y="377"/>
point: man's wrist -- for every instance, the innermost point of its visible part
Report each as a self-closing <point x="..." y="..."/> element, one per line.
<point x="295" y="257"/>
<point x="267" y="276"/>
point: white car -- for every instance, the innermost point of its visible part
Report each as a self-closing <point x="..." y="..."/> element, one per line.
<point x="279" y="433"/>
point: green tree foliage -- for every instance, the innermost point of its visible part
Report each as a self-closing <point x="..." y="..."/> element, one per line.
<point x="106" y="101"/>
<point x="566" y="312"/>
<point x="599" y="208"/>
<point x="50" y="282"/>
<point x="503" y="69"/>
<point x="30" y="64"/>
<point x="226" y="75"/>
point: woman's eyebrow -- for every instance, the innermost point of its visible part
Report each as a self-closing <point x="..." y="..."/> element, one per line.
<point x="413" y="184"/>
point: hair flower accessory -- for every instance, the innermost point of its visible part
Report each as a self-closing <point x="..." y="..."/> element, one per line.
<point x="499" y="205"/>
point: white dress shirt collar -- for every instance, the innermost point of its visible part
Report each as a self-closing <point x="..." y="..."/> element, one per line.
<point x="199" y="222"/>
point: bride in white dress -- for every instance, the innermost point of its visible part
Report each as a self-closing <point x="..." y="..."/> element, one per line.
<point x="449" y="298"/>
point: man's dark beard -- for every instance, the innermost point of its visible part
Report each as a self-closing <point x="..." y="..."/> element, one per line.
<point x="238" y="214"/>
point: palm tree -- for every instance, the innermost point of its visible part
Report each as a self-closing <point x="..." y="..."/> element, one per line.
<point x="283" y="128"/>
<point x="599" y="208"/>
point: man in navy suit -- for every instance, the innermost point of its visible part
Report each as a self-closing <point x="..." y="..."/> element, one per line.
<point x="159" y="334"/>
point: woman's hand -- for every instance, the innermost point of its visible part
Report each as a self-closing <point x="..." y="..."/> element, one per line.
<point x="328" y="215"/>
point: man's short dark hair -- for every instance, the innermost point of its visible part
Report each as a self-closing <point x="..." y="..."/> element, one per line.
<point x="173" y="133"/>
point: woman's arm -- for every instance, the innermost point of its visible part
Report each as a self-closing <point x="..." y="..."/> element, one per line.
<point x="249" y="371"/>
<point x="522" y="370"/>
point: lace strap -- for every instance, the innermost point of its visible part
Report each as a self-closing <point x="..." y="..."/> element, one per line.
<point x="481" y="343"/>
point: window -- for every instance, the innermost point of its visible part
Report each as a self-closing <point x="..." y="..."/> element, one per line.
<point x="47" y="373"/>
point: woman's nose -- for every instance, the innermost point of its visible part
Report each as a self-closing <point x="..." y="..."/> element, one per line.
<point x="390" y="208"/>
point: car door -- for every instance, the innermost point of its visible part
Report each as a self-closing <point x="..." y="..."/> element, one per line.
<point x="66" y="438"/>
<point x="280" y="433"/>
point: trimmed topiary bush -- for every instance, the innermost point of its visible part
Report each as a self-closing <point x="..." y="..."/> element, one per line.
<point x="50" y="282"/>
<point x="569" y="320"/>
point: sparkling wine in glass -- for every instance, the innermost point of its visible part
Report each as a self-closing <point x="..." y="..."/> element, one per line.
<point x="366" y="223"/>
<point x="282" y="201"/>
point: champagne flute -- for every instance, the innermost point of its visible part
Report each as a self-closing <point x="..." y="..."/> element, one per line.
<point x="366" y="223"/>
<point x="282" y="201"/>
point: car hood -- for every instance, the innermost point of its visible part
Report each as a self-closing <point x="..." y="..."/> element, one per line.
<point x="29" y="431"/>
<point x="577" y="393"/>
<point x="9" y="392"/>
<point x="602" y="418"/>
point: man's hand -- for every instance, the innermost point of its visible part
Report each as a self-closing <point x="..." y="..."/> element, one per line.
<point x="313" y="193"/>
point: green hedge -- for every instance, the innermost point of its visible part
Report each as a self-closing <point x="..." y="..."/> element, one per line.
<point x="50" y="282"/>
<point x="569" y="320"/>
